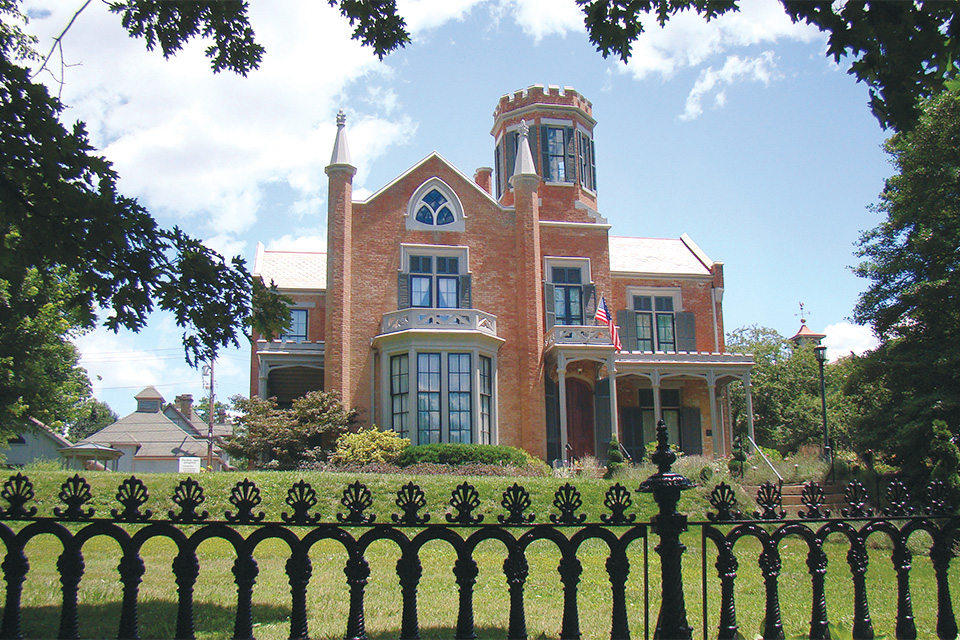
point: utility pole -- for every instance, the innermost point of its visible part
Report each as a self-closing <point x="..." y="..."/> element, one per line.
<point x="211" y="410"/>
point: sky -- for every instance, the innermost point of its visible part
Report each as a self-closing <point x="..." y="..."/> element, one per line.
<point x="739" y="132"/>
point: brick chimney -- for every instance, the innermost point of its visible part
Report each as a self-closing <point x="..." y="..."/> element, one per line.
<point x="185" y="404"/>
<point x="483" y="178"/>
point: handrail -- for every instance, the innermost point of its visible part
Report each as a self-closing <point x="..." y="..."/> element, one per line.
<point x="765" y="459"/>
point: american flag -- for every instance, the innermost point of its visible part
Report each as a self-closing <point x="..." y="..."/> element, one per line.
<point x="603" y="316"/>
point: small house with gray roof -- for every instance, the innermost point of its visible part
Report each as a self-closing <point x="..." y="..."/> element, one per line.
<point x="157" y="434"/>
<point x="500" y="308"/>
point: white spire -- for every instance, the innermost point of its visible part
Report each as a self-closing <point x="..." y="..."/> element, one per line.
<point x="341" y="152"/>
<point x="524" y="165"/>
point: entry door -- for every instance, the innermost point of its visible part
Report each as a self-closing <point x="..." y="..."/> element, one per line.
<point x="580" y="428"/>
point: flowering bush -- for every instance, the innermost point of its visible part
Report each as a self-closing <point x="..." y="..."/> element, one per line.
<point x="369" y="446"/>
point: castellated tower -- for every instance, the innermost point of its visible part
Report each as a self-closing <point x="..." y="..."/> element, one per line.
<point x="561" y="142"/>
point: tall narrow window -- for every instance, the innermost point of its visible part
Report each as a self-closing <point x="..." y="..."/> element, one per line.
<point x="428" y="398"/>
<point x="400" y="394"/>
<point x="588" y="169"/>
<point x="556" y="156"/>
<point x="458" y="396"/>
<point x="486" y="399"/>
<point x="298" y="326"/>
<point x="448" y="282"/>
<point x="567" y="292"/>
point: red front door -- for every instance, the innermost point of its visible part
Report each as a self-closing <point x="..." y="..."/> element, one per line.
<point x="580" y="418"/>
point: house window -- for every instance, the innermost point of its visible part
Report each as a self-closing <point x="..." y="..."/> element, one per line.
<point x="669" y="413"/>
<point x="587" y="160"/>
<point x="567" y="295"/>
<point x="298" y="326"/>
<point x="434" y="205"/>
<point x="459" y="396"/>
<point x="148" y="406"/>
<point x="557" y="154"/>
<point x="486" y="399"/>
<point x="428" y="398"/>
<point x="435" y="209"/>
<point x="656" y="325"/>
<point x="435" y="283"/>
<point x="433" y="278"/>
<point x="400" y="394"/>
<point x="452" y="399"/>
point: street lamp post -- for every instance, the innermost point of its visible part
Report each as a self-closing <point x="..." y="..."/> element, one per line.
<point x="821" y="353"/>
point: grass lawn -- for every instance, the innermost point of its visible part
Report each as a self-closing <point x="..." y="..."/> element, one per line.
<point x="215" y="593"/>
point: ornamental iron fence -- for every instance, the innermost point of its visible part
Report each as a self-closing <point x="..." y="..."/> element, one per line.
<point x="74" y="523"/>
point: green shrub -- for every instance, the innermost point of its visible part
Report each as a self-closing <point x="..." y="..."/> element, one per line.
<point x="369" y="446"/>
<point x="614" y="458"/>
<point x="455" y="454"/>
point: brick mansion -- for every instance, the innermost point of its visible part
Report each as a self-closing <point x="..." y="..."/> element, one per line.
<point x="458" y="309"/>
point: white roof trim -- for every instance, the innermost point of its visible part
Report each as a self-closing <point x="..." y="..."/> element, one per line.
<point x="432" y="154"/>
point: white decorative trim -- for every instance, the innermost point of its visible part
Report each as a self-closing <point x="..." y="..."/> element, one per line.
<point x="560" y="261"/>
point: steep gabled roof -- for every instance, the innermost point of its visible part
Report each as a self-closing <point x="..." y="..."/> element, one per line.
<point x="416" y="166"/>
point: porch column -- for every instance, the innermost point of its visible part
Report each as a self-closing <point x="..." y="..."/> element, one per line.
<point x="614" y="418"/>
<point x="562" y="382"/>
<point x="748" y="387"/>
<point x="655" y="383"/>
<point x="714" y="422"/>
<point x="262" y="380"/>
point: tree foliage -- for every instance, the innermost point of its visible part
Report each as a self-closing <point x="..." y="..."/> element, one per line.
<point x="270" y="437"/>
<point x="787" y="408"/>
<point x="39" y="372"/>
<point x="912" y="263"/>
<point x="91" y="416"/>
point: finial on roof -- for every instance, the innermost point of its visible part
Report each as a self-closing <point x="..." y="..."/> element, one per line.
<point x="341" y="152"/>
<point x="524" y="165"/>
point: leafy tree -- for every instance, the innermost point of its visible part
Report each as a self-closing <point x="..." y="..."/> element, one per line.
<point x="202" y="407"/>
<point x="787" y="408"/>
<point x="91" y="416"/>
<point x="912" y="380"/>
<point x="273" y="438"/>
<point x="39" y="372"/>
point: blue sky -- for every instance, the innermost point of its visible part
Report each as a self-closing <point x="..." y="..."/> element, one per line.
<point x="740" y="133"/>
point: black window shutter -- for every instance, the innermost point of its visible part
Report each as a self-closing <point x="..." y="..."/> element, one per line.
<point x="498" y="166"/>
<point x="593" y="166"/>
<point x="601" y="411"/>
<point x="589" y="302"/>
<point x="691" y="440"/>
<point x="403" y="290"/>
<point x="466" y="299"/>
<point x="545" y="154"/>
<point x="549" y="306"/>
<point x="627" y="321"/>
<point x="686" y="331"/>
<point x="570" y="159"/>
<point x="510" y="145"/>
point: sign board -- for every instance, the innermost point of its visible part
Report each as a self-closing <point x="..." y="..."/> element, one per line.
<point x="189" y="464"/>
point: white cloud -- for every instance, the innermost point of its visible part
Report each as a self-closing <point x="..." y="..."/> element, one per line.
<point x="688" y="40"/>
<point x="735" y="69"/>
<point x="190" y="143"/>
<point x="844" y="338"/>
<point x="422" y="15"/>
<point x="542" y="18"/>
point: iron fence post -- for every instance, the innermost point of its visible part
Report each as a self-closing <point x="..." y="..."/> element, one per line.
<point x="665" y="485"/>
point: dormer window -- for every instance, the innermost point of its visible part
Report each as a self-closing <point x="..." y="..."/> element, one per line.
<point x="435" y="206"/>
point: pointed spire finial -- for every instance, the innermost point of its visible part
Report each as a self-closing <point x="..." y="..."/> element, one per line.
<point x="341" y="152"/>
